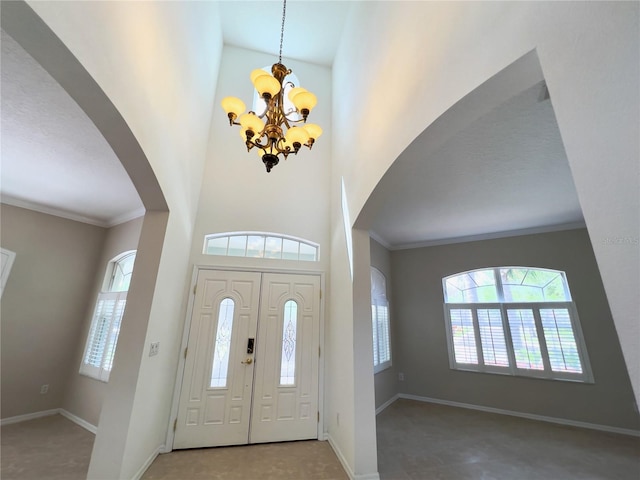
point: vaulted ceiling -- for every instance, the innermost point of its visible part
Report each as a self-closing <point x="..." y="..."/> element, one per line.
<point x="507" y="171"/>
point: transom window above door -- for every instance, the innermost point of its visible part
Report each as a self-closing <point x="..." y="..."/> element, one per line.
<point x="261" y="245"/>
<point x="514" y="321"/>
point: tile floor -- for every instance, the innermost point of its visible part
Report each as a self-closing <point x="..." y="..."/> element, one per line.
<point x="423" y="441"/>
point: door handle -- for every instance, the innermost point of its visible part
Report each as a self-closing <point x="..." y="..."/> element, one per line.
<point x="248" y="361"/>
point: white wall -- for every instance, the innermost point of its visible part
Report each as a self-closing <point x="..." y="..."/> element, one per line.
<point x="417" y="59"/>
<point x="157" y="62"/>
<point x="238" y="194"/>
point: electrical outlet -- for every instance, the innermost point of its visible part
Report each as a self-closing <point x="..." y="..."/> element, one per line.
<point x="155" y="347"/>
<point x="44" y="389"/>
<point x="401" y="377"/>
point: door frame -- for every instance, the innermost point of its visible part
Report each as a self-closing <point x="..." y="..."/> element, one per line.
<point x="168" y="446"/>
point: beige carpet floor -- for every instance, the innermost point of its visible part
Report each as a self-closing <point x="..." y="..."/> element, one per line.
<point x="51" y="448"/>
<point x="424" y="441"/>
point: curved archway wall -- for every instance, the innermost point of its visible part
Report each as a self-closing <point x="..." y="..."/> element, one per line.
<point x="419" y="59"/>
<point x="421" y="340"/>
<point x="125" y="65"/>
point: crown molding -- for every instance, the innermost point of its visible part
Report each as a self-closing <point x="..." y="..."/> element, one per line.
<point x="482" y="236"/>
<point x="57" y="212"/>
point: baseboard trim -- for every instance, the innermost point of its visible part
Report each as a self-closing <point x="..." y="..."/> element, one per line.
<point x="147" y="464"/>
<point x="340" y="456"/>
<point x="368" y="476"/>
<point x="346" y="466"/>
<point x="530" y="416"/>
<point x="79" y="421"/>
<point x="28" y="416"/>
<point x="47" y="413"/>
<point x="387" y="403"/>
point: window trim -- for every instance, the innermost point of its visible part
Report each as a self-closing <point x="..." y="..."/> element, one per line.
<point x="512" y="369"/>
<point x="107" y="293"/>
<point x="6" y="268"/>
<point x="265" y="235"/>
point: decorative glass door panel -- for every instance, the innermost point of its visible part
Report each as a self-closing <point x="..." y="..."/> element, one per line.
<point x="289" y="338"/>
<point x="222" y="348"/>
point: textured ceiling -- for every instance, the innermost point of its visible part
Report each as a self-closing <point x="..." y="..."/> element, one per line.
<point x="505" y="172"/>
<point x="53" y="157"/>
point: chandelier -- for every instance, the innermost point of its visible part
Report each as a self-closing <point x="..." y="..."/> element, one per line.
<point x="274" y="132"/>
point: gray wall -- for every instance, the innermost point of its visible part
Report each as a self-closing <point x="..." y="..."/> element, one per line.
<point x="386" y="383"/>
<point x="420" y="330"/>
<point x="44" y="304"/>
<point x="84" y="395"/>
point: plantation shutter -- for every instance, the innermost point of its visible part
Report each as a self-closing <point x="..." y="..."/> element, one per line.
<point x="103" y="337"/>
<point x="494" y="347"/>
<point x="380" y="321"/>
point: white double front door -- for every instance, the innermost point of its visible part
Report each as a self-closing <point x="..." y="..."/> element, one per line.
<point x="251" y="370"/>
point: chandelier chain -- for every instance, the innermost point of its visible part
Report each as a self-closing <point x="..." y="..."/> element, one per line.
<point x="284" y="11"/>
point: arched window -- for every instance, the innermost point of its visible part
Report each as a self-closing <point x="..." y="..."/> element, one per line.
<point x="514" y="320"/>
<point x="380" y="321"/>
<point x="261" y="245"/>
<point x="121" y="268"/>
<point x="100" y="348"/>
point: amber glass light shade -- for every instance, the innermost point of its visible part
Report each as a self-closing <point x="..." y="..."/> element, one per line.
<point x="267" y="84"/>
<point x="297" y="134"/>
<point x="313" y="130"/>
<point x="233" y="105"/>
<point x="295" y="91"/>
<point x="304" y="101"/>
<point x="250" y="121"/>
<point x="257" y="73"/>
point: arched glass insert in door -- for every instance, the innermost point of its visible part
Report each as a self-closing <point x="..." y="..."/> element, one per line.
<point x="223" y="344"/>
<point x="289" y="335"/>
